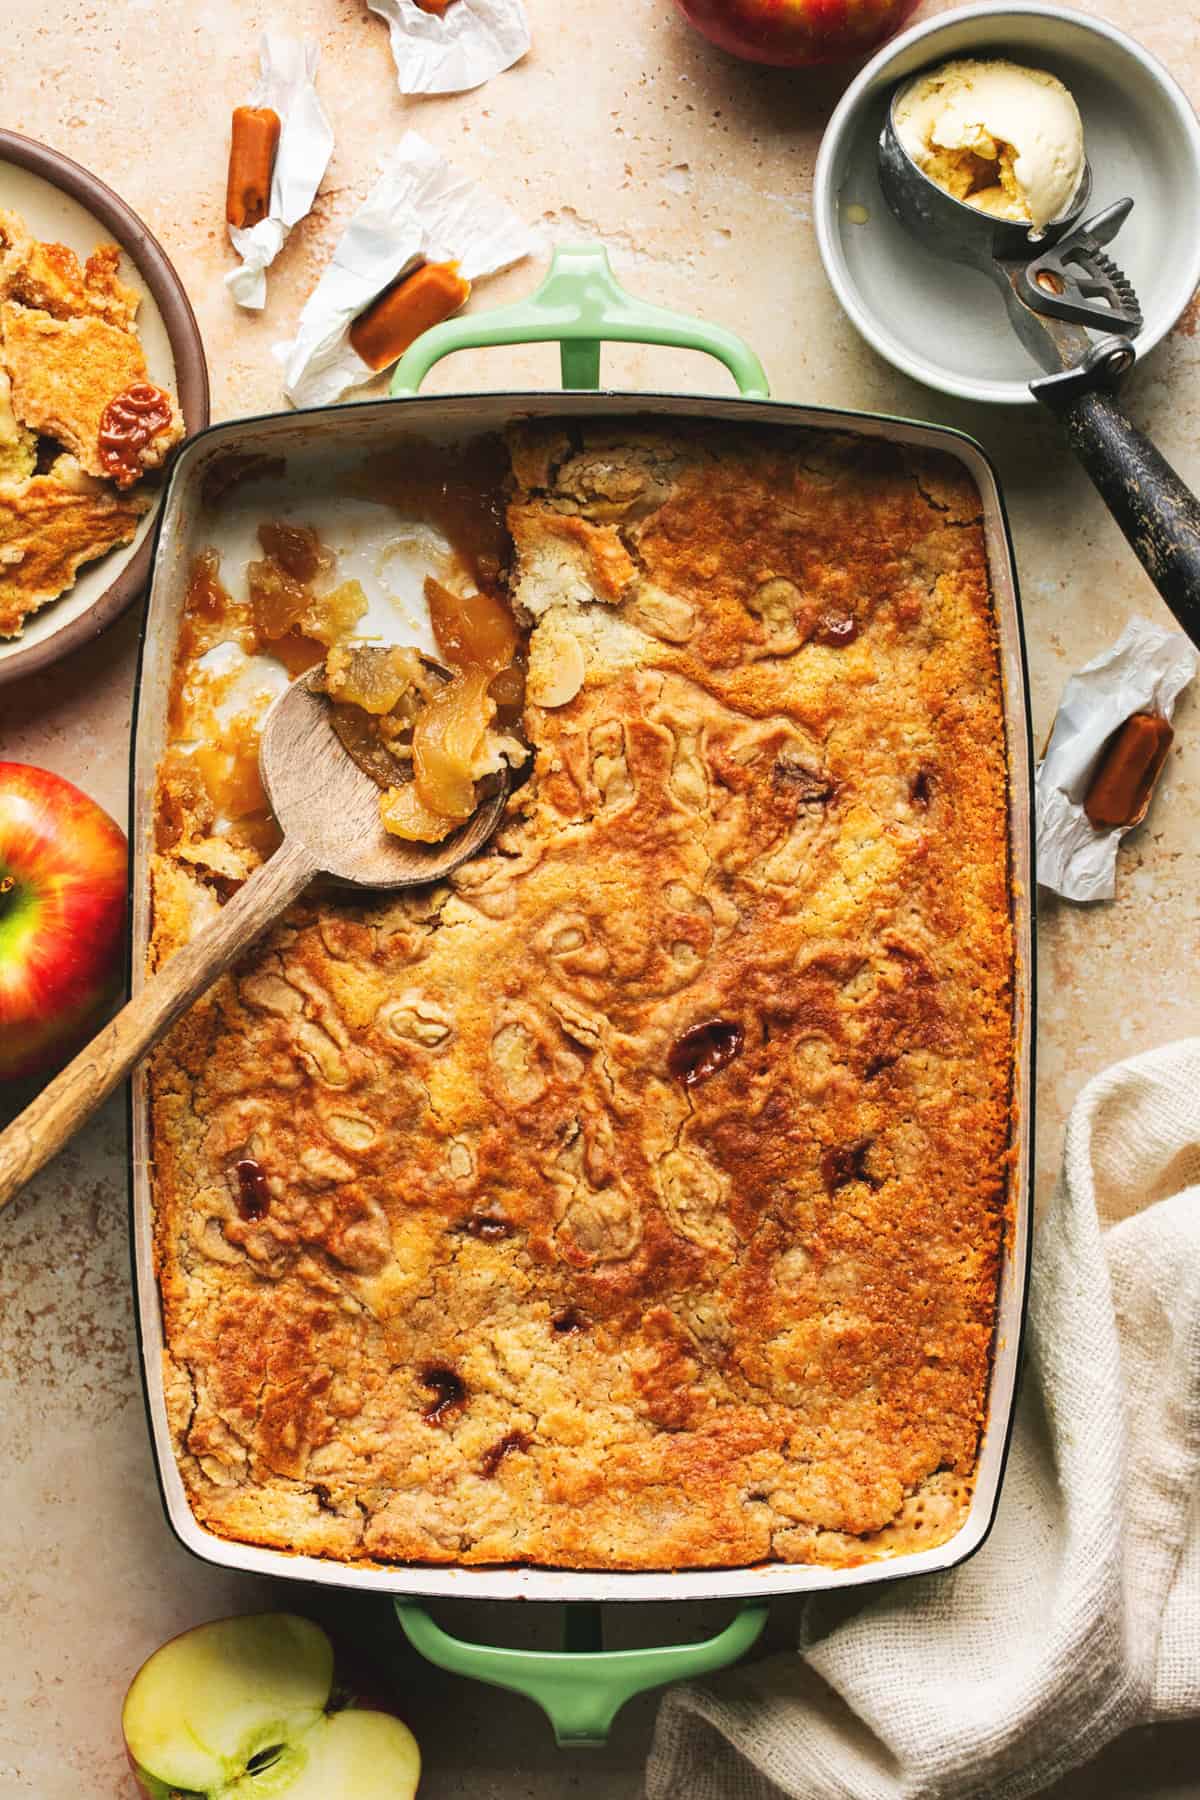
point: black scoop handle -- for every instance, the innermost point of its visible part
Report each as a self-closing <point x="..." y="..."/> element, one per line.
<point x="1156" y="510"/>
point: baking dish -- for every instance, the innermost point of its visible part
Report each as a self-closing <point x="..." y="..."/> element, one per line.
<point x="579" y="305"/>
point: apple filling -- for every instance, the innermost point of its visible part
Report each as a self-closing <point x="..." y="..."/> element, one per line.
<point x="428" y="735"/>
<point x="289" y="618"/>
<point x="429" y="742"/>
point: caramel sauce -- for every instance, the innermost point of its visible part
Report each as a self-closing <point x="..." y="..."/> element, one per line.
<point x="920" y="788"/>
<point x="704" y="1050"/>
<point x="127" y="424"/>
<point x="448" y="1389"/>
<point x="510" y="1442"/>
<point x="460" y="491"/>
<point x="296" y="548"/>
<point x="207" y="596"/>
<point x="844" y="1163"/>
<point x="254" y="1196"/>
<point x="837" y="629"/>
<point x="480" y="1226"/>
<point x="206" y="603"/>
<point x="226" y="473"/>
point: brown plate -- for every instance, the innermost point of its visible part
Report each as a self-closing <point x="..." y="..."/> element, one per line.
<point x="62" y="201"/>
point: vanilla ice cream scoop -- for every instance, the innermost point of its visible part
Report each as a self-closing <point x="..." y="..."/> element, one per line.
<point x="996" y="135"/>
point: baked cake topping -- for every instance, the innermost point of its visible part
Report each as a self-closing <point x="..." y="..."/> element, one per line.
<point x="659" y="1157"/>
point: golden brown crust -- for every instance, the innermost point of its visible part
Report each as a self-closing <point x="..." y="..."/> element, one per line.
<point x="48" y="276"/>
<point x="635" y="1202"/>
<point x="49" y="527"/>
<point x="64" y="373"/>
<point x="105" y="293"/>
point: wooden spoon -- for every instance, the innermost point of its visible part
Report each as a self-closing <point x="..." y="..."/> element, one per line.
<point x="328" y="811"/>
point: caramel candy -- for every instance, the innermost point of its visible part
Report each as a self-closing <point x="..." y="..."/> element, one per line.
<point x="251" y="164"/>
<point x="1127" y="771"/>
<point x="406" y="309"/>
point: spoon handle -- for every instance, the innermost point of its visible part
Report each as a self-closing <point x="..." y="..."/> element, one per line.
<point x="46" y="1124"/>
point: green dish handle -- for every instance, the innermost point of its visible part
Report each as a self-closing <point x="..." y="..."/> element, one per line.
<point x="581" y="1687"/>
<point x="578" y="306"/>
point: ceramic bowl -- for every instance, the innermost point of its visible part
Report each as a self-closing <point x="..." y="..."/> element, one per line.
<point x="61" y="201"/>
<point x="946" y="325"/>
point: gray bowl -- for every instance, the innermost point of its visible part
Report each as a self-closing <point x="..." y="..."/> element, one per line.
<point x="946" y="325"/>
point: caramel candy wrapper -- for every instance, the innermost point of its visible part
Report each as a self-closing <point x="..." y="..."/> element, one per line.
<point x="286" y="87"/>
<point x="454" y="49"/>
<point x="421" y="209"/>
<point x="1145" y="671"/>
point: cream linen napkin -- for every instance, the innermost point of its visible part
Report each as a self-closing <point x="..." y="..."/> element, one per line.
<point x="1081" y="1614"/>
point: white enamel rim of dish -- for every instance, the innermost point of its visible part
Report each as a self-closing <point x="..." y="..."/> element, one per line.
<point x="185" y="529"/>
<point x="846" y="122"/>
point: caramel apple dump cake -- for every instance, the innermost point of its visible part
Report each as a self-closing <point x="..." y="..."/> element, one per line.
<point x="635" y="1199"/>
<point x="80" y="421"/>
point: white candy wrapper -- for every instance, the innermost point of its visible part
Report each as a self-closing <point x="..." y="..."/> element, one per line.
<point x="285" y="84"/>
<point x="472" y="41"/>
<point x="1144" y="671"/>
<point x="419" y="210"/>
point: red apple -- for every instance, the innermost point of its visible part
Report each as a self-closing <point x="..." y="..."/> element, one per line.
<point x="797" y="32"/>
<point x="62" y="916"/>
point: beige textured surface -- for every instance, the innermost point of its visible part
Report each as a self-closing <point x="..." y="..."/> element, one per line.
<point x="697" y="172"/>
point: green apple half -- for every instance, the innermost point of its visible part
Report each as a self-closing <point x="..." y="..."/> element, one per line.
<point x="235" y="1710"/>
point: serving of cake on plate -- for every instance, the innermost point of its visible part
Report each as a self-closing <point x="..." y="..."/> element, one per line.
<point x="635" y="1199"/>
<point x="80" y="421"/>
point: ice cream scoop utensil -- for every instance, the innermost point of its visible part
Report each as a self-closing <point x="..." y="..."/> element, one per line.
<point x="951" y="228"/>
<point x="1058" y="286"/>
<point x="1060" y="274"/>
<point x="328" y="810"/>
<point x="1074" y="280"/>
